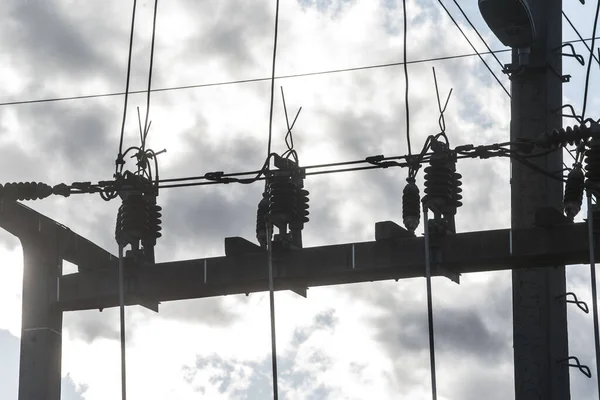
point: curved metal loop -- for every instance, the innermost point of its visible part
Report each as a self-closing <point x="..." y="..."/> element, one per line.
<point x="584" y="369"/>
<point x="572" y="53"/>
<point x="579" y="303"/>
<point x="573" y="114"/>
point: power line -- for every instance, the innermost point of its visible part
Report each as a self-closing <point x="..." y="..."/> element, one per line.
<point x="250" y="80"/>
<point x="404" y="39"/>
<point x="119" y="160"/>
<point x="589" y="66"/>
<point x="118" y="168"/>
<point x="253" y="80"/>
<point x="473" y="47"/>
<point x="478" y="34"/>
<point x="269" y="226"/>
<point x="150" y="69"/>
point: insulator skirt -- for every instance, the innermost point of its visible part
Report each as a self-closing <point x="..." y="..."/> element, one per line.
<point x="138" y="219"/>
<point x="411" y="206"/>
<point x="283" y="202"/>
<point x="572" y="135"/>
<point x="592" y="162"/>
<point x="25" y="191"/>
<point x="573" y="197"/>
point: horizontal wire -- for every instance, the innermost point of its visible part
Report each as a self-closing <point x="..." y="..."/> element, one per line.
<point x="262" y="178"/>
<point x="308" y="167"/>
<point x="251" y="80"/>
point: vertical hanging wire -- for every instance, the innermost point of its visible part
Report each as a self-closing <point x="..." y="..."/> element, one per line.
<point x="119" y="161"/>
<point x="590" y="221"/>
<point x="429" y="306"/>
<point x="589" y="66"/>
<point x="272" y="306"/>
<point x="269" y="225"/>
<point x="405" y="64"/>
<point x="118" y="169"/>
<point x="122" y="324"/>
<point x="273" y="76"/>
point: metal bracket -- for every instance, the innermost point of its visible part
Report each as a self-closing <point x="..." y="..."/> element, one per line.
<point x="584" y="369"/>
<point x="581" y="304"/>
<point x="512" y="71"/>
<point x="437" y="231"/>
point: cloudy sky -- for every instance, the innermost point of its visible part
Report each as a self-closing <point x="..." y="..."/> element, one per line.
<point x="349" y="342"/>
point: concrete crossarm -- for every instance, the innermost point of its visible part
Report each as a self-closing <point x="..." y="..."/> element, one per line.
<point x="387" y="258"/>
<point x="29" y="225"/>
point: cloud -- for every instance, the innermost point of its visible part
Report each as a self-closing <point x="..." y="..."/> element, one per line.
<point x="360" y="340"/>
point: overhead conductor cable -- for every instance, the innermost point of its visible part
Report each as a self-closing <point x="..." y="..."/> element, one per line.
<point x="118" y="169"/>
<point x="269" y="226"/>
<point x="590" y="222"/>
<point x="592" y="166"/>
<point x="429" y="306"/>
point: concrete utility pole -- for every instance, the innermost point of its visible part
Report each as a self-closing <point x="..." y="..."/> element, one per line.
<point x="539" y="319"/>
<point x="45" y="244"/>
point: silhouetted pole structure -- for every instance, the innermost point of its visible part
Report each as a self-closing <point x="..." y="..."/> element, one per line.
<point x="539" y="320"/>
<point x="45" y="244"/>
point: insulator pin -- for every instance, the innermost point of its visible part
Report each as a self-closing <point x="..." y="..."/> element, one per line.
<point x="411" y="205"/>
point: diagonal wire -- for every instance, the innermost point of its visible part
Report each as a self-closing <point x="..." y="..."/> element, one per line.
<point x="473" y="47"/>
<point x="150" y="69"/>
<point x="589" y="66"/>
<point x="571" y="154"/>
<point x="478" y="34"/>
<point x="119" y="160"/>
<point x="579" y="35"/>
<point x="289" y="136"/>
<point x="406" y="80"/>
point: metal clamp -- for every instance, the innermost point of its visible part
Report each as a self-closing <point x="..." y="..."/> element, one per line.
<point x="513" y="71"/>
<point x="581" y="304"/>
<point x="584" y="369"/>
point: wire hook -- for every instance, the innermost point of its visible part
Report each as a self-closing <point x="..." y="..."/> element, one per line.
<point x="581" y="304"/>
